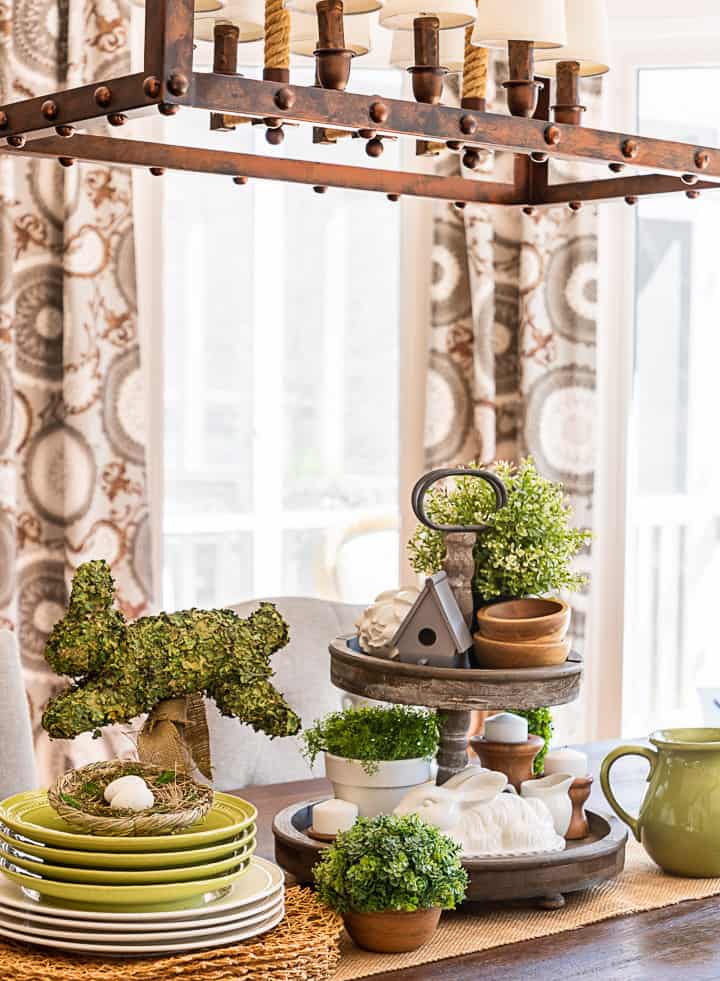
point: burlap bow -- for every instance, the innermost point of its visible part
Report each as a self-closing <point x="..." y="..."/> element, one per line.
<point x="176" y="737"/>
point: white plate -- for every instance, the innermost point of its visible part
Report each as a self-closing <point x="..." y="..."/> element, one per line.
<point x="259" y="882"/>
<point x="41" y="921"/>
<point x="78" y="931"/>
<point x="123" y="950"/>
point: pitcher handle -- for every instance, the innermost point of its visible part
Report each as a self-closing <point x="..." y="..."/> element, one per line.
<point x="650" y="755"/>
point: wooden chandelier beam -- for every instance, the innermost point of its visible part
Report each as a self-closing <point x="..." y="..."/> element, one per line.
<point x="137" y="153"/>
<point x="609" y="189"/>
<point x="436" y="123"/>
<point x="346" y="110"/>
<point x="168" y="83"/>
<point x="169" y="28"/>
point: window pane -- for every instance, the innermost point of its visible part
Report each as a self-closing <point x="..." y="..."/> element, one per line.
<point x="281" y="392"/>
<point x="674" y="506"/>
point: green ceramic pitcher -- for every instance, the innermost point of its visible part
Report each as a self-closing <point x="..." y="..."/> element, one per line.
<point x="679" y="819"/>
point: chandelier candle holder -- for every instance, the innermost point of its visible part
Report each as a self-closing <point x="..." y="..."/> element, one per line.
<point x="52" y="124"/>
<point x="427" y="73"/>
<point x="586" y="54"/>
<point x="332" y="57"/>
<point x="226" y="38"/>
<point x="522" y="25"/>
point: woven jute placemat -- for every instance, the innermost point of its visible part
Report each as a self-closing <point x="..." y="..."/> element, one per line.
<point x="304" y="947"/>
<point x="642" y="886"/>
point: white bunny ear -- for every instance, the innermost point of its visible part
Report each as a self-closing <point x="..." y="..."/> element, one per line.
<point x="481" y="787"/>
<point x="457" y="780"/>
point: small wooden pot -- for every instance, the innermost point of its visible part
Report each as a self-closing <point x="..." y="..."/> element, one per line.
<point x="579" y="792"/>
<point x="515" y="760"/>
<point x="506" y="654"/>
<point x="522" y="620"/>
<point x="392" y="932"/>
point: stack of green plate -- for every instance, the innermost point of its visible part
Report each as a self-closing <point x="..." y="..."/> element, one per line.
<point x="46" y="857"/>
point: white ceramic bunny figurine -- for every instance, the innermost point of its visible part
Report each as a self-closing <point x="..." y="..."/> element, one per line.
<point x="471" y="809"/>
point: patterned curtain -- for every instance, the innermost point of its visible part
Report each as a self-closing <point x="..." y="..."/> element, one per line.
<point x="72" y="428"/>
<point x="512" y="339"/>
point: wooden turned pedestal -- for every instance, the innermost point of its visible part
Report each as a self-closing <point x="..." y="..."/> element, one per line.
<point x="515" y="760"/>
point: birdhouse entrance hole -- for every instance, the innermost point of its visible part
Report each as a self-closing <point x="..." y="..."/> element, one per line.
<point x="427" y="637"/>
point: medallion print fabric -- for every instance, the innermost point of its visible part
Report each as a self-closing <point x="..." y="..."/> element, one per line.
<point x="72" y="427"/>
<point x="512" y="340"/>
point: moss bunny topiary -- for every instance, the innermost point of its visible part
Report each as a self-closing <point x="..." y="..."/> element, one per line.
<point x="122" y="670"/>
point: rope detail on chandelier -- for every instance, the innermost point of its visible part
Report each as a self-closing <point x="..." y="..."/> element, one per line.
<point x="277" y="35"/>
<point x="475" y="69"/>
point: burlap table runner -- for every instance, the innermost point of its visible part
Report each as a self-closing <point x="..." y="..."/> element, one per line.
<point x="642" y="886"/>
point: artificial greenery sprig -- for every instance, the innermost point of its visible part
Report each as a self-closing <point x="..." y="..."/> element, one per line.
<point x="540" y="723"/>
<point x="373" y="734"/>
<point x="391" y="863"/>
<point x="529" y="545"/>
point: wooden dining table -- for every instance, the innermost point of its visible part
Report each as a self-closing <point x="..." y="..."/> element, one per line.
<point x="680" y="942"/>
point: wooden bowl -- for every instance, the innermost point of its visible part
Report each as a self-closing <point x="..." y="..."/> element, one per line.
<point x="526" y="619"/>
<point x="504" y="654"/>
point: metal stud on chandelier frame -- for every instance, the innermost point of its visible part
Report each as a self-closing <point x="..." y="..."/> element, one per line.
<point x="51" y="125"/>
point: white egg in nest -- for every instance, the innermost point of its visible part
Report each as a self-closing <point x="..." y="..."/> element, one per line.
<point x="133" y="798"/>
<point x="121" y="783"/>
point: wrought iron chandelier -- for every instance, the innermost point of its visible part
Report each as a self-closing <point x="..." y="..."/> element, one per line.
<point x="550" y="44"/>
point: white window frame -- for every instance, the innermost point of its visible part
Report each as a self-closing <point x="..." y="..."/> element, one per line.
<point x="646" y="34"/>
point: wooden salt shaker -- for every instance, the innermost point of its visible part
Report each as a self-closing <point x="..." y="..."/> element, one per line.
<point x="579" y="792"/>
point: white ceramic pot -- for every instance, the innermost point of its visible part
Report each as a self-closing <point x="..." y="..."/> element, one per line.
<point x="350" y="702"/>
<point x="379" y="792"/>
<point x="553" y="791"/>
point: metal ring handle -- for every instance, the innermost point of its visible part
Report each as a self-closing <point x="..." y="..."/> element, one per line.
<point x="417" y="498"/>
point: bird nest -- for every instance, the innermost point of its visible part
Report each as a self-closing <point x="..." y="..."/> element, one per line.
<point x="78" y="797"/>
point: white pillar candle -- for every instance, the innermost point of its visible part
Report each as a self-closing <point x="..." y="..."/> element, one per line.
<point x="506" y="728"/>
<point x="332" y="816"/>
<point x="566" y="760"/>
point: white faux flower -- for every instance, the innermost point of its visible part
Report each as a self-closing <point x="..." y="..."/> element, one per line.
<point x="379" y="623"/>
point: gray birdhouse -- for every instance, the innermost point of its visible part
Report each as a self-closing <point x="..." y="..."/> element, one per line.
<point x="434" y="631"/>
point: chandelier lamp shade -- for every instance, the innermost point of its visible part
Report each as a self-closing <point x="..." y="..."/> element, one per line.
<point x="350" y="7"/>
<point x="248" y="16"/>
<point x="551" y="45"/>
<point x="539" y="22"/>
<point x="400" y="15"/>
<point x="452" y="50"/>
<point x="304" y="34"/>
<point x="522" y="26"/>
<point x="588" y="40"/>
<point x="201" y="6"/>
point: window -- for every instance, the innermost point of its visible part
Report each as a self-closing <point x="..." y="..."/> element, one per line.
<point x="673" y="461"/>
<point x="281" y="378"/>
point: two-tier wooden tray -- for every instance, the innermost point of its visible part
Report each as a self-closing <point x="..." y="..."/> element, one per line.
<point x="544" y="877"/>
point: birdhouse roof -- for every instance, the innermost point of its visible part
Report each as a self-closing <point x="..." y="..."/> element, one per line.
<point x="437" y="592"/>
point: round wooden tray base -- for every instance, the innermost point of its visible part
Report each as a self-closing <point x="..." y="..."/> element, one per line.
<point x="545" y="877"/>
